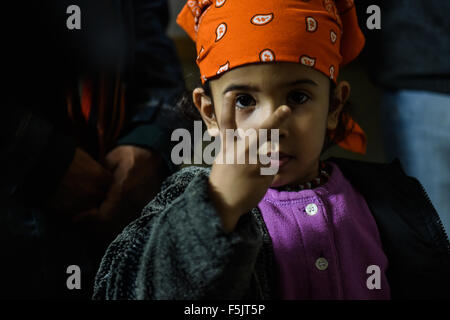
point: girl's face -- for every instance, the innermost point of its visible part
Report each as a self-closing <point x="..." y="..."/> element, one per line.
<point x="259" y="89"/>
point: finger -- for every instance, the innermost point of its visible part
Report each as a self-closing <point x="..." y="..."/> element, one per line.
<point x="110" y="163"/>
<point x="111" y="203"/>
<point x="228" y="120"/>
<point x="264" y="148"/>
<point x="277" y="118"/>
<point x="112" y="159"/>
<point x="103" y="179"/>
<point x="106" y="176"/>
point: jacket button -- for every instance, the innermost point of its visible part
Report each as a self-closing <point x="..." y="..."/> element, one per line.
<point x="321" y="264"/>
<point x="311" y="209"/>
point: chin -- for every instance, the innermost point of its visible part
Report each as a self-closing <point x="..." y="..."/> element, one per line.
<point x="279" y="181"/>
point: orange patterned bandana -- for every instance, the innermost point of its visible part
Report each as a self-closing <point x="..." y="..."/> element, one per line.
<point x="322" y="34"/>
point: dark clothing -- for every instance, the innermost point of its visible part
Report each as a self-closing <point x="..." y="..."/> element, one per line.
<point x="43" y="61"/>
<point x="411" y="50"/>
<point x="177" y="249"/>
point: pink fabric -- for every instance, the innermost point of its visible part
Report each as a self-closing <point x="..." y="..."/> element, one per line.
<point x="343" y="231"/>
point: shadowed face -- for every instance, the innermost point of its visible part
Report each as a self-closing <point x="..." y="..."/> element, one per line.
<point x="258" y="90"/>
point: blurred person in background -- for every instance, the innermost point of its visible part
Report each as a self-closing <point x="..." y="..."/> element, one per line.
<point x="409" y="57"/>
<point x="84" y="134"/>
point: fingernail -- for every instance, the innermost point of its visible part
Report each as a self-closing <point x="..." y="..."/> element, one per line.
<point x="285" y="109"/>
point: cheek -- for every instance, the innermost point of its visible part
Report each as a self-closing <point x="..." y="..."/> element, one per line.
<point x="308" y="129"/>
<point x="246" y="119"/>
<point x="217" y="113"/>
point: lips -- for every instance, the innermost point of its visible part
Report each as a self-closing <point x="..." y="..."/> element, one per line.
<point x="279" y="159"/>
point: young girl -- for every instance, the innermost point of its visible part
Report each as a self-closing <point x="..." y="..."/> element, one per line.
<point x="335" y="229"/>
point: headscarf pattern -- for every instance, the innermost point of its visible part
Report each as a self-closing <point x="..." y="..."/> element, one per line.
<point x="322" y="34"/>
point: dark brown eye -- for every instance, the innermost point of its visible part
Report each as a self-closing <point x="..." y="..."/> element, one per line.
<point x="244" y="101"/>
<point x="297" y="97"/>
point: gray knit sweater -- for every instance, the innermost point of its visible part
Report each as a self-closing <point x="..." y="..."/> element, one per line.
<point x="178" y="250"/>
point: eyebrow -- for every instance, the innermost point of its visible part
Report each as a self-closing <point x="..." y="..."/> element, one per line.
<point x="240" y="87"/>
<point x="300" y="81"/>
<point x="243" y="87"/>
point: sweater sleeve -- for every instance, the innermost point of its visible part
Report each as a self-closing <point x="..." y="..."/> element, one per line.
<point x="178" y="250"/>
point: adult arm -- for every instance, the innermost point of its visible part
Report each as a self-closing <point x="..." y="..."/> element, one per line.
<point x="155" y="83"/>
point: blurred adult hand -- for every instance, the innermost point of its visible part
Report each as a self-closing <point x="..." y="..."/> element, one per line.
<point x="83" y="187"/>
<point x="137" y="176"/>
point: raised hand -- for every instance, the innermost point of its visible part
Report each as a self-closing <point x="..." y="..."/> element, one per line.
<point x="236" y="188"/>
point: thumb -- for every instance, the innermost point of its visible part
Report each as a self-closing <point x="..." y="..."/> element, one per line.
<point x="111" y="203"/>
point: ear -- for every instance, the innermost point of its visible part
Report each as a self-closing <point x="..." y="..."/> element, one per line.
<point x="338" y="101"/>
<point x="204" y="105"/>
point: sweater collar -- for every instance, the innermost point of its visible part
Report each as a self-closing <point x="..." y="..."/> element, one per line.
<point x="329" y="188"/>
